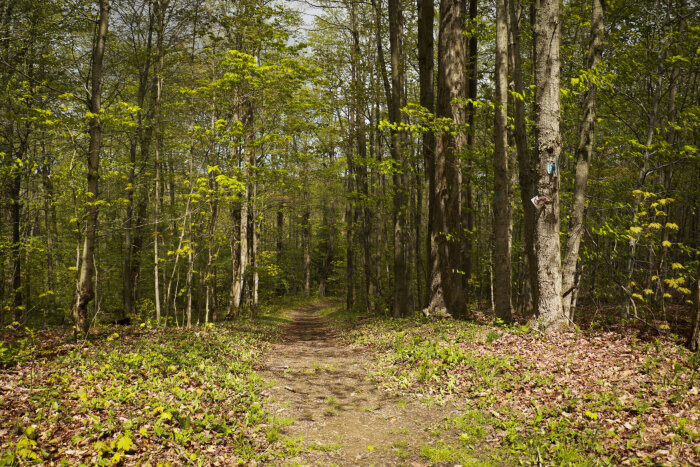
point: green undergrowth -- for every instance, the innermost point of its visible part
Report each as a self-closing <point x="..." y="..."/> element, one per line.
<point x="535" y="399"/>
<point x="145" y="395"/>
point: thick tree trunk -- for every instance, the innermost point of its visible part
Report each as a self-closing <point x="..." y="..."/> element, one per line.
<point x="586" y="140"/>
<point x="525" y="165"/>
<point x="84" y="292"/>
<point x="547" y="34"/>
<point x="426" y="64"/>
<point x="402" y="301"/>
<point x="502" y="211"/>
<point x="451" y="85"/>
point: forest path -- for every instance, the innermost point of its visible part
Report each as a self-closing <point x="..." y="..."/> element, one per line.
<point x="340" y="415"/>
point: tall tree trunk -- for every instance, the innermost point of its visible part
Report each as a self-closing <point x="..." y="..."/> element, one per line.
<point x="51" y="234"/>
<point x="525" y="165"/>
<point x="502" y="211"/>
<point x="244" y="258"/>
<point x="402" y="302"/>
<point x="349" y="250"/>
<point x="451" y="85"/>
<point x="129" y="271"/>
<point x="360" y="137"/>
<point x="547" y="34"/>
<point x="84" y="292"/>
<point x="584" y="152"/>
<point x="15" y="201"/>
<point x="160" y="6"/>
<point x="468" y="190"/>
<point x="426" y="65"/>
<point x="306" y="241"/>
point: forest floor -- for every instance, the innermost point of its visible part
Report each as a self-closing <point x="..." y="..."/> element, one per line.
<point x="307" y="383"/>
<point x="341" y="416"/>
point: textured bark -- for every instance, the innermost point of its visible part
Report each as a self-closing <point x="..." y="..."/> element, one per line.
<point x="525" y="172"/>
<point x="468" y="191"/>
<point x="246" y="203"/>
<point x="502" y="210"/>
<point x="402" y="302"/>
<point x="584" y="152"/>
<point x="360" y="138"/>
<point x="84" y="291"/>
<point x="426" y="66"/>
<point x="451" y="85"/>
<point x="547" y="35"/>
<point x="160" y="6"/>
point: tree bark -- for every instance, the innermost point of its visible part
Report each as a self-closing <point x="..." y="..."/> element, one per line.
<point x="426" y="17"/>
<point x="525" y="165"/>
<point x="502" y="211"/>
<point x="84" y="291"/>
<point x="451" y="85"/>
<point x="402" y="302"/>
<point x="584" y="152"/>
<point x="468" y="191"/>
<point x="160" y="6"/>
<point x="547" y="34"/>
<point x="129" y="271"/>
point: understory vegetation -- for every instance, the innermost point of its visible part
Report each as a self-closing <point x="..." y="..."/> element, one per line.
<point x="138" y="394"/>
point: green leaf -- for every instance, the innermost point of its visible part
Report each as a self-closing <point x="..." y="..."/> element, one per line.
<point x="124" y="443"/>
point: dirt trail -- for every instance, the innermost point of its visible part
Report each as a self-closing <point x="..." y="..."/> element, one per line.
<point x="341" y="416"/>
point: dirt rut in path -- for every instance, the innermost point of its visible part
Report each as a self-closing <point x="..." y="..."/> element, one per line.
<point x="340" y="416"/>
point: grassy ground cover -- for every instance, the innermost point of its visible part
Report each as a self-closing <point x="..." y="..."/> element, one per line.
<point x="565" y="399"/>
<point x="138" y="395"/>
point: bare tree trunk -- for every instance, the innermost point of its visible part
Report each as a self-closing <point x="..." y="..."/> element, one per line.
<point x="360" y="137"/>
<point x="467" y="190"/>
<point x="349" y="251"/>
<point x="426" y="17"/>
<point x="502" y="210"/>
<point x="234" y="245"/>
<point x="51" y="235"/>
<point x="547" y="34"/>
<point x="84" y="292"/>
<point x="586" y="140"/>
<point x="451" y="85"/>
<point x="402" y="303"/>
<point x="129" y="271"/>
<point x="160" y="6"/>
<point x="244" y="259"/>
<point x="525" y="172"/>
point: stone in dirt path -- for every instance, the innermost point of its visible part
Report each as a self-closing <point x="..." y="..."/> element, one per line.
<point x="341" y="416"/>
